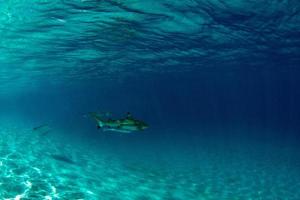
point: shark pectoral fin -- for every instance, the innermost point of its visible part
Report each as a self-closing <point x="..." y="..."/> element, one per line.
<point x="107" y="129"/>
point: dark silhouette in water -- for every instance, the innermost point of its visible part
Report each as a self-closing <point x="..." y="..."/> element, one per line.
<point x="62" y="158"/>
<point x="39" y="127"/>
<point x="42" y="129"/>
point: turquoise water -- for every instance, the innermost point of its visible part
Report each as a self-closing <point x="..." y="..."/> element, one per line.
<point x="216" y="81"/>
<point x="28" y="171"/>
<point x="217" y="171"/>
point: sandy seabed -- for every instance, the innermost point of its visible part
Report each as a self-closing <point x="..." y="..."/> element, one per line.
<point x="36" y="167"/>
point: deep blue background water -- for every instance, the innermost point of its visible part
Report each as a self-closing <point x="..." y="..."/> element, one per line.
<point x="209" y="99"/>
<point x="189" y="108"/>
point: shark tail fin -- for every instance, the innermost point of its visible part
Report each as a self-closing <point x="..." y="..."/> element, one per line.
<point x="95" y="116"/>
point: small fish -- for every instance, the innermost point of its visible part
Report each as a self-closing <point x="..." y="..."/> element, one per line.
<point x="42" y="129"/>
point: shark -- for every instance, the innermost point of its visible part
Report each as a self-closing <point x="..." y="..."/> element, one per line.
<point x="124" y="125"/>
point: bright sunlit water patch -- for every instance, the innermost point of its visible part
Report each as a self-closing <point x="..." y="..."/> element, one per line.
<point x="36" y="167"/>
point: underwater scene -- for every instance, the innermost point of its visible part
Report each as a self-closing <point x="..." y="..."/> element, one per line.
<point x="149" y="100"/>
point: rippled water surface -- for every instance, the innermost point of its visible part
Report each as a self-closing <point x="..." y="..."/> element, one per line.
<point x="88" y="39"/>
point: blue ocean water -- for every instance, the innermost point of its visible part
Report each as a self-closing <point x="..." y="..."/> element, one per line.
<point x="216" y="81"/>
